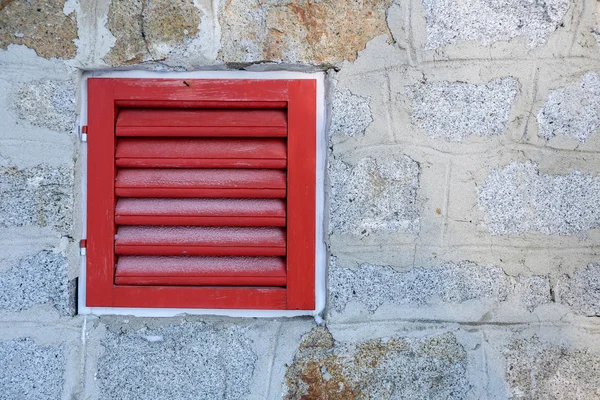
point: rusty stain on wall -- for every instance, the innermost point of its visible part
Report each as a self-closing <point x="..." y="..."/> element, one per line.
<point x="325" y="32"/>
<point x="316" y="32"/>
<point x="378" y="368"/>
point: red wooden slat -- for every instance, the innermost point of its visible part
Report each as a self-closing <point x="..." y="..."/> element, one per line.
<point x="130" y="117"/>
<point x="201" y="122"/>
<point x="301" y="198"/>
<point x="201" y="152"/>
<point x="194" y="297"/>
<point x="202" y="192"/>
<point x="206" y="212"/>
<point x="202" y="241"/>
<point x="201" y="271"/>
<point x="232" y="131"/>
<point x="201" y="163"/>
<point x="258" y="183"/>
<point x="200" y="104"/>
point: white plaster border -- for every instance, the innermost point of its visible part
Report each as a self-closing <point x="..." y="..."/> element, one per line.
<point x="320" y="257"/>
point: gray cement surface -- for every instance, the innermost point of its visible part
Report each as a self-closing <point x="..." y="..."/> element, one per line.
<point x="462" y="201"/>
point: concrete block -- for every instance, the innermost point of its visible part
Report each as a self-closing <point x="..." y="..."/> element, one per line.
<point x="373" y="285"/>
<point x="151" y="30"/>
<point x="517" y="199"/>
<point x="531" y="291"/>
<point x="39" y="196"/>
<point x="581" y="290"/>
<point x="572" y="111"/>
<point x="350" y="114"/>
<point x="314" y="32"/>
<point x="30" y="370"/>
<point x="42" y="25"/>
<point x="183" y="361"/>
<point x="24" y="107"/>
<point x="382" y="368"/>
<point x="538" y="370"/>
<point x="49" y="104"/>
<point x="36" y="280"/>
<point x="374" y="196"/>
<point x="457" y="110"/>
<point x="487" y="22"/>
<point x="244" y="30"/>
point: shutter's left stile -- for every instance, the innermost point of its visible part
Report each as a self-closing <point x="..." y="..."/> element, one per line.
<point x="101" y="171"/>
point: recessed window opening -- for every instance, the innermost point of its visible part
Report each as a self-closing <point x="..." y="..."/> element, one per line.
<point x="203" y="195"/>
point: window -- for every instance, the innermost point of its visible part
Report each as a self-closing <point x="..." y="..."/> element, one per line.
<point x="201" y="193"/>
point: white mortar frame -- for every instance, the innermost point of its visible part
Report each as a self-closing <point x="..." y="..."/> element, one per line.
<point x="320" y="253"/>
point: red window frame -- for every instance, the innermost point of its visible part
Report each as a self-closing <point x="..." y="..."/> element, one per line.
<point x="105" y="96"/>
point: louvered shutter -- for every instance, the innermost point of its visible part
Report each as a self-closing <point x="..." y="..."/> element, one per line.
<point x="208" y="200"/>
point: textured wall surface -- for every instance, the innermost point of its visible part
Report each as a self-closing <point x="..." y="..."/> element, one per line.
<point x="462" y="201"/>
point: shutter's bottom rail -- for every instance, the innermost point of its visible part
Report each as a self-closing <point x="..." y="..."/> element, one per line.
<point x="190" y="297"/>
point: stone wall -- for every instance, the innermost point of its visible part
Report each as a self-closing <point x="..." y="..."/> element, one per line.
<point x="463" y="201"/>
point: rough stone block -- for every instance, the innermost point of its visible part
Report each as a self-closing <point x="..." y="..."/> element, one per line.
<point x="316" y="32"/>
<point x="531" y="291"/>
<point x="572" y="111"/>
<point x="41" y="25"/>
<point x="350" y="114"/>
<point x="186" y="361"/>
<point x="384" y="368"/>
<point x="40" y="196"/>
<point x="38" y="279"/>
<point x="373" y="285"/>
<point x="148" y="30"/>
<point x="518" y="199"/>
<point x="537" y="370"/>
<point x="581" y="291"/>
<point x="456" y="110"/>
<point x="374" y="196"/>
<point x="30" y="370"/>
<point x="48" y="103"/>
<point x="125" y="23"/>
<point x="489" y="21"/>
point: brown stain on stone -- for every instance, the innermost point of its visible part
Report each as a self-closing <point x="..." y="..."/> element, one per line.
<point x="4" y="3"/>
<point x="40" y="25"/>
<point x="299" y="31"/>
<point x="324" y="32"/>
<point x="370" y="353"/>
<point x="275" y="52"/>
<point x="319" y="337"/>
<point x="143" y="28"/>
<point x="319" y="374"/>
<point x="170" y="21"/>
<point x="325" y="370"/>
<point x="325" y="379"/>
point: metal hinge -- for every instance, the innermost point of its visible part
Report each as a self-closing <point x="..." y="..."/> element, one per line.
<point x="83" y="133"/>
<point x="82" y="247"/>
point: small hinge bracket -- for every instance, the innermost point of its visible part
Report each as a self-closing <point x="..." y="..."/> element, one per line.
<point x="83" y="133"/>
<point x="82" y="247"/>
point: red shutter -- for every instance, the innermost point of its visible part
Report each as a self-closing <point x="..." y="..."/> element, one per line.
<point x="201" y="194"/>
